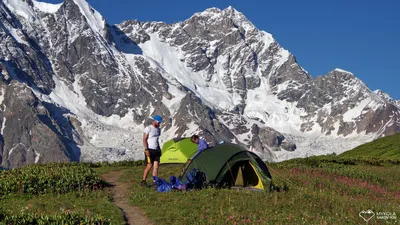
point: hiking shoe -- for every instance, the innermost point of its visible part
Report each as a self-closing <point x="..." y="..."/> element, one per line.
<point x="154" y="186"/>
<point x="143" y="183"/>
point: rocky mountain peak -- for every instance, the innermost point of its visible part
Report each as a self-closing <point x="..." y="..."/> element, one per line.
<point x="383" y="95"/>
<point x="229" y="17"/>
<point x="349" y="84"/>
<point x="239" y="19"/>
<point x="231" y="10"/>
<point x="94" y="19"/>
<point x="209" y="12"/>
<point x="91" y="87"/>
<point x="341" y="74"/>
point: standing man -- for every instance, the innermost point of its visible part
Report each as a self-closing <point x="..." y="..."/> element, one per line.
<point x="152" y="148"/>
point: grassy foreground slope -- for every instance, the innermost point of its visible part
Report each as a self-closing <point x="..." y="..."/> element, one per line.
<point x="344" y="189"/>
<point x="316" y="190"/>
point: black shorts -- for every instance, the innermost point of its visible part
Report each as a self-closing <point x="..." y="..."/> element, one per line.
<point x="154" y="156"/>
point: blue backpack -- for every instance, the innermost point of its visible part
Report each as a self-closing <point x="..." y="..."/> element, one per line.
<point x="196" y="179"/>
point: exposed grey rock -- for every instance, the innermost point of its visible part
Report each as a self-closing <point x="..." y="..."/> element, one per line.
<point x="342" y="91"/>
<point x="31" y="133"/>
<point x="133" y="31"/>
<point x="270" y="138"/>
<point x="288" y="146"/>
<point x="193" y="110"/>
<point x="30" y="63"/>
<point x="108" y="69"/>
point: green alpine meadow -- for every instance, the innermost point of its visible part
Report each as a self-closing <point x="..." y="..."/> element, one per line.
<point x="357" y="187"/>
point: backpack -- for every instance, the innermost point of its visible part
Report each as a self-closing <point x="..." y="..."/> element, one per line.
<point x="196" y="179"/>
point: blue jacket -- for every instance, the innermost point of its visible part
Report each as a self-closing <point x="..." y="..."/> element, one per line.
<point x="201" y="146"/>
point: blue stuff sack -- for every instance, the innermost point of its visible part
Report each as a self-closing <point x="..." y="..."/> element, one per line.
<point x="162" y="185"/>
<point x="176" y="183"/>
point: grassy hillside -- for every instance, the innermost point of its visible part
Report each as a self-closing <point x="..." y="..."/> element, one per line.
<point x="315" y="190"/>
<point x="386" y="147"/>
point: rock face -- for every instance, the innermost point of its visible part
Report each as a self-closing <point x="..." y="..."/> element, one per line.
<point x="75" y="88"/>
<point x="30" y="132"/>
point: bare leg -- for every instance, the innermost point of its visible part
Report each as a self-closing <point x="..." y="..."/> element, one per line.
<point x="146" y="170"/>
<point x="155" y="169"/>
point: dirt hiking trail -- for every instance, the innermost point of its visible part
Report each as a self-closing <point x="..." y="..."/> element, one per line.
<point x="120" y="190"/>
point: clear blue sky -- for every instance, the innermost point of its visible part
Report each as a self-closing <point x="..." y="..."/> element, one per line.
<point x="361" y="36"/>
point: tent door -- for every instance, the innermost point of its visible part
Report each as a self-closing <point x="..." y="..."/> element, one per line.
<point x="239" y="177"/>
<point x="246" y="176"/>
<point x="259" y="184"/>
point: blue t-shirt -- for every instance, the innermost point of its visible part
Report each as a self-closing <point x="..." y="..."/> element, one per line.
<point x="201" y="146"/>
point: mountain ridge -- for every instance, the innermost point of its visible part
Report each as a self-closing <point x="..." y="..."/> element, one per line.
<point x="214" y="74"/>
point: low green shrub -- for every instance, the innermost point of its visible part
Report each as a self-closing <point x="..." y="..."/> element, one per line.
<point x="115" y="164"/>
<point x="58" y="218"/>
<point x="49" y="178"/>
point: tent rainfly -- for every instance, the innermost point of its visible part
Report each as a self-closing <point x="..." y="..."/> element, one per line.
<point x="230" y="165"/>
<point x="177" y="150"/>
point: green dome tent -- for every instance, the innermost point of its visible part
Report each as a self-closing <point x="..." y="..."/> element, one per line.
<point x="230" y="165"/>
<point x="177" y="150"/>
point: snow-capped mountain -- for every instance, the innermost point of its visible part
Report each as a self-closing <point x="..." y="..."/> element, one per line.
<point x="74" y="87"/>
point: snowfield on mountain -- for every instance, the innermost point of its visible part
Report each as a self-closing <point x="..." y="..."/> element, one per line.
<point x="74" y="87"/>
